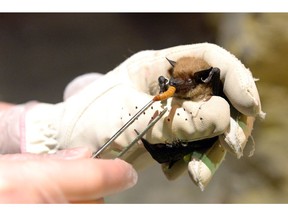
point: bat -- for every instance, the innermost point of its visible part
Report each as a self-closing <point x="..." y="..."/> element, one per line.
<point x="191" y="79"/>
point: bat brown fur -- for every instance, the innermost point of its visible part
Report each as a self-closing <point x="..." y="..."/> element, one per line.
<point x="185" y="69"/>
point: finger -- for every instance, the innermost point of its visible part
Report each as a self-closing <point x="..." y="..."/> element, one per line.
<point x="67" y="154"/>
<point x="236" y="137"/>
<point x="72" y="154"/>
<point x="187" y="120"/>
<point x="203" y="166"/>
<point x="57" y="181"/>
<point x="99" y="179"/>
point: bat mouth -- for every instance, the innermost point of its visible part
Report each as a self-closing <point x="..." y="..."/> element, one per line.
<point x="172" y="152"/>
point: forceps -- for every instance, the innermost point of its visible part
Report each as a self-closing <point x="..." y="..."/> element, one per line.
<point x="162" y="96"/>
<point x="125" y="126"/>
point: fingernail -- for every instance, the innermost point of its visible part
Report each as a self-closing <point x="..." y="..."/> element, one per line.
<point x="74" y="153"/>
<point x="132" y="175"/>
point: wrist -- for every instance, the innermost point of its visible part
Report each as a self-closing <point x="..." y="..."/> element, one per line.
<point x="11" y="128"/>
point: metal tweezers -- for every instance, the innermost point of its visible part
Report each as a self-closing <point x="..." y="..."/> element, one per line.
<point x="126" y="125"/>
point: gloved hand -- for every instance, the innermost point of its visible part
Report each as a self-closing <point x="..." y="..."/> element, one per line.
<point x="92" y="114"/>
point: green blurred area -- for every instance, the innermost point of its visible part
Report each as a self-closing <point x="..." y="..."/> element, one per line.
<point x="41" y="53"/>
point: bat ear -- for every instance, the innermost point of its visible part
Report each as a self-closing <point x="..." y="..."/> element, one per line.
<point x="203" y="76"/>
<point x="172" y="63"/>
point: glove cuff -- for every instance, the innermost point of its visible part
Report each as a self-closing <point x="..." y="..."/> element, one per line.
<point x="12" y="129"/>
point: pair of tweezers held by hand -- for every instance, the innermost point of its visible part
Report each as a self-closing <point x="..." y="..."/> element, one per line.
<point x="125" y="126"/>
<point x="159" y="97"/>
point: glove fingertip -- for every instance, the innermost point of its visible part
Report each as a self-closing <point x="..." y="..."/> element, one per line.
<point x="199" y="173"/>
<point x="203" y="166"/>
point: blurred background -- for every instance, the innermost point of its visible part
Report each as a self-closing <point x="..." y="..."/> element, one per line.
<point x="41" y="53"/>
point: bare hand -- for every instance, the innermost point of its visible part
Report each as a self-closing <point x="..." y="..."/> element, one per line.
<point x="67" y="176"/>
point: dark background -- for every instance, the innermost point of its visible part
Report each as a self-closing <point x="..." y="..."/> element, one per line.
<point x="41" y="53"/>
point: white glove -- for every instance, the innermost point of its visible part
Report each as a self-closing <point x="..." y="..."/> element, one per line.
<point x="92" y="114"/>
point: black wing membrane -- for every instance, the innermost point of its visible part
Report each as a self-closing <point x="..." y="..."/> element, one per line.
<point x="170" y="153"/>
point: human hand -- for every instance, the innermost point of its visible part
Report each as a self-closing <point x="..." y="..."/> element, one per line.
<point x="69" y="176"/>
<point x="96" y="112"/>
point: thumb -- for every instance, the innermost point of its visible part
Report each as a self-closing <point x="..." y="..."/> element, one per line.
<point x="54" y="179"/>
